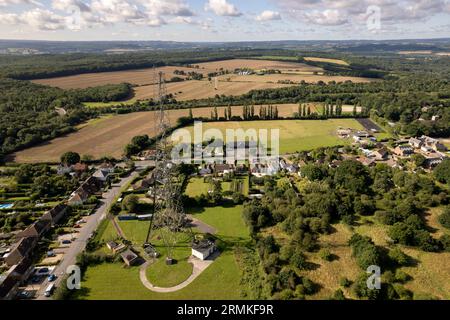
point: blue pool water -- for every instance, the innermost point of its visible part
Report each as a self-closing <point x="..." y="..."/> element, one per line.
<point x="6" y="206"/>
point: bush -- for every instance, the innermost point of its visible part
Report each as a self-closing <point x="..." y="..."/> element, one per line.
<point x="444" y="218"/>
<point x="445" y="241"/>
<point x="338" y="295"/>
<point x="400" y="258"/>
<point x="344" y="282"/>
<point x="401" y="276"/>
<point x="325" y="254"/>
<point x="298" y="260"/>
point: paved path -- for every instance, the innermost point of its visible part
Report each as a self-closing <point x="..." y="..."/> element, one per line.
<point x="199" y="267"/>
<point x="203" y="227"/>
<point x="118" y="228"/>
<point x="85" y="232"/>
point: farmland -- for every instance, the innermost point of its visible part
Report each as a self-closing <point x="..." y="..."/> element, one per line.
<point x="295" y="135"/>
<point x="290" y="73"/>
<point x="108" y="135"/>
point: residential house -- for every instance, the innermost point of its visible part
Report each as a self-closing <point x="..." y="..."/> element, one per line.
<point x="203" y="249"/>
<point x="37" y="229"/>
<point x="20" y="250"/>
<point x="55" y="214"/>
<point x="433" y="159"/>
<point x="221" y="169"/>
<point x="106" y="166"/>
<point x="381" y="154"/>
<point x="78" y="197"/>
<point x="205" y="170"/>
<point x="8" y="288"/>
<point x="434" y="144"/>
<point x="21" y="271"/>
<point x="403" y="151"/>
<point x="91" y="186"/>
<point x="366" y="161"/>
<point x="102" y="175"/>
<point x="415" y="143"/>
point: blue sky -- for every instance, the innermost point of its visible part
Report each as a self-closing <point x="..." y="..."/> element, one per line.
<point x="223" y="20"/>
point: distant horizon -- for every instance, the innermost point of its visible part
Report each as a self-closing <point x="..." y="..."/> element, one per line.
<point x="236" y="41"/>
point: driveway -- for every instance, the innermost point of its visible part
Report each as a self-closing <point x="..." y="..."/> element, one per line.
<point x="77" y="246"/>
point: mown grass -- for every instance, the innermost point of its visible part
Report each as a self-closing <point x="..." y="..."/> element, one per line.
<point x="295" y="135"/>
<point x="220" y="281"/>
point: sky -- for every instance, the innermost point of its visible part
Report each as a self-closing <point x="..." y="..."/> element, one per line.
<point x="223" y="20"/>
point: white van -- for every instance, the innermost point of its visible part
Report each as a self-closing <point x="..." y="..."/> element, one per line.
<point x="48" y="292"/>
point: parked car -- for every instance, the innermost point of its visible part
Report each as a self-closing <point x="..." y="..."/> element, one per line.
<point x="51" y="253"/>
<point x="77" y="226"/>
<point x="51" y="278"/>
<point x="66" y="242"/>
<point x="42" y="271"/>
<point x="24" y="294"/>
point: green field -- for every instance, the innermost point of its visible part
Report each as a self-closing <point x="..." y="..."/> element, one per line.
<point x="295" y="135"/>
<point x="197" y="186"/>
<point x="228" y="222"/>
<point x="221" y="280"/>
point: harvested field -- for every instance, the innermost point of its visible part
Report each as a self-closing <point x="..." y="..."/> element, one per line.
<point x="335" y="61"/>
<point x="109" y="135"/>
<point x="189" y="90"/>
<point x="256" y="64"/>
<point x="136" y="77"/>
<point x="237" y="85"/>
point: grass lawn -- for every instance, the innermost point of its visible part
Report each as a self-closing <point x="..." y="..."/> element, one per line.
<point x="221" y="280"/>
<point x="295" y="135"/>
<point x="163" y="275"/>
<point x="135" y="231"/>
<point x="106" y="231"/>
<point x="227" y="221"/>
<point x="112" y="281"/>
<point x="197" y="187"/>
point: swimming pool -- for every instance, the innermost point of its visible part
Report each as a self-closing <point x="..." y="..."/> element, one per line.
<point x="6" y="205"/>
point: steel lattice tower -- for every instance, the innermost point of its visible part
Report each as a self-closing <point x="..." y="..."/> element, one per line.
<point x="168" y="210"/>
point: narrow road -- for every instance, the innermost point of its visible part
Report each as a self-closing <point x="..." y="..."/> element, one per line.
<point x="79" y="244"/>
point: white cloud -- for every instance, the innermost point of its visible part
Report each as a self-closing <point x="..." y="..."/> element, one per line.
<point x="37" y="18"/>
<point x="268" y="15"/>
<point x="4" y="3"/>
<point x="222" y="8"/>
<point x="327" y="17"/>
<point x="336" y="12"/>
<point x="167" y="8"/>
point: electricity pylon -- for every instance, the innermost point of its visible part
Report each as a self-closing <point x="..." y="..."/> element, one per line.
<point x="168" y="214"/>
